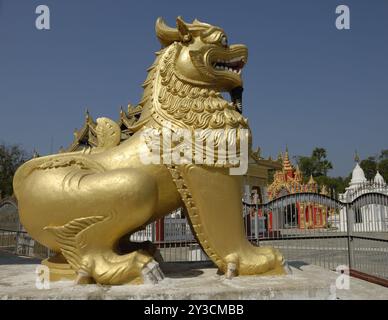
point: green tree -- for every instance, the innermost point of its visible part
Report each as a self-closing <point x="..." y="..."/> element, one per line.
<point x="383" y="169"/>
<point x="369" y="166"/>
<point x="306" y="165"/>
<point x="383" y="155"/>
<point x="11" y="157"/>
<point x="322" y="165"/>
<point x="334" y="184"/>
<point x="316" y="165"/>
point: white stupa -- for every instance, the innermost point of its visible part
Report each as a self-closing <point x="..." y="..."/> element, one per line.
<point x="358" y="177"/>
<point x="378" y="179"/>
<point x="368" y="218"/>
<point x="357" y="181"/>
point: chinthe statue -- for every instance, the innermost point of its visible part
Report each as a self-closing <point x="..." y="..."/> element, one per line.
<point x="85" y="205"/>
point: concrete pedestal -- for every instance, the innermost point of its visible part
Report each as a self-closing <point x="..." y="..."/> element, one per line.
<point x="191" y="281"/>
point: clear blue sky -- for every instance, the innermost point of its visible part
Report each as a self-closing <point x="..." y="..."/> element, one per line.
<point x="307" y="84"/>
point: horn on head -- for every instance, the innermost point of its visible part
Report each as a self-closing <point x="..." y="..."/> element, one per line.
<point x="166" y="34"/>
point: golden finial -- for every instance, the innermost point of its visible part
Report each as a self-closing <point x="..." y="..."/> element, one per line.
<point x="122" y="112"/>
<point x="87" y="116"/>
<point x="257" y="153"/>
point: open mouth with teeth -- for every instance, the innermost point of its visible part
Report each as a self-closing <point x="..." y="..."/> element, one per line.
<point x="234" y="65"/>
<point x="227" y="65"/>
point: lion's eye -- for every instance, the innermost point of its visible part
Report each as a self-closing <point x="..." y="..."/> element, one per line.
<point x="224" y="41"/>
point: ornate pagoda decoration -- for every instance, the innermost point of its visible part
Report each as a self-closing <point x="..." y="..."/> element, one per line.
<point x="86" y="137"/>
<point x="290" y="180"/>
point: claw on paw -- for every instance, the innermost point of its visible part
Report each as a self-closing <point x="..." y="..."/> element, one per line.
<point x="231" y="270"/>
<point x="152" y="274"/>
<point x="84" y="277"/>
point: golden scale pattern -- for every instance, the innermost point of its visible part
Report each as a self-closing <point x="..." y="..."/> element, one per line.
<point x="192" y="210"/>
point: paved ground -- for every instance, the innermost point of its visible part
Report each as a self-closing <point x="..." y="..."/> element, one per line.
<point x="189" y="281"/>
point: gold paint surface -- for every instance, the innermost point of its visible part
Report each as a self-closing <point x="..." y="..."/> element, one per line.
<point x="80" y="204"/>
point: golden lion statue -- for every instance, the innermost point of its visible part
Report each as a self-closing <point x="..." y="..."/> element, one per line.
<point x="85" y="205"/>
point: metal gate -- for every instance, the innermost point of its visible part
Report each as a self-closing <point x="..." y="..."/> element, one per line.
<point x="326" y="231"/>
<point x="306" y="227"/>
<point x="309" y="228"/>
<point x="367" y="223"/>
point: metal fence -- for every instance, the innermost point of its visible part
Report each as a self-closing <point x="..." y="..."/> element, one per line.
<point x="324" y="230"/>
<point x="328" y="230"/>
<point x="20" y="243"/>
<point x="312" y="228"/>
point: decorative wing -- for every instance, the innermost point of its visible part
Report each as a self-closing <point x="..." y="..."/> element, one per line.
<point x="108" y="133"/>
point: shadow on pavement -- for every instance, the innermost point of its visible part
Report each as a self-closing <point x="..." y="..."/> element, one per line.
<point x="7" y="258"/>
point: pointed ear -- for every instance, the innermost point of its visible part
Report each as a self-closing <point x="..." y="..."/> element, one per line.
<point x="183" y="30"/>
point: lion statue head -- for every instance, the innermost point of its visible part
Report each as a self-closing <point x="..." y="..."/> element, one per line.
<point x="206" y="59"/>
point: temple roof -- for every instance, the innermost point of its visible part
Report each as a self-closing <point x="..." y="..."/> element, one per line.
<point x="87" y="137"/>
<point x="290" y="180"/>
<point x="287" y="166"/>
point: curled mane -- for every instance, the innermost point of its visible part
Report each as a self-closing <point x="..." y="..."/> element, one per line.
<point x="168" y="98"/>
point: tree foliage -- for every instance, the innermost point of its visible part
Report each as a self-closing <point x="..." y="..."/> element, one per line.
<point x="11" y="157"/>
<point x="373" y="164"/>
<point x="335" y="184"/>
<point x="383" y="169"/>
<point x="316" y="165"/>
<point x="383" y="155"/>
<point x="369" y="166"/>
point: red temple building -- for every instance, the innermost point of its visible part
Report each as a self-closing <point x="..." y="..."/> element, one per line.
<point x="302" y="215"/>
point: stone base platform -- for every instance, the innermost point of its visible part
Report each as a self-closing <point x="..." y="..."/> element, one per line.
<point x="190" y="281"/>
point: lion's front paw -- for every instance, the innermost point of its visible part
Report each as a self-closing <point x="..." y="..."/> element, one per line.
<point x="247" y="262"/>
<point x="254" y="260"/>
<point x="274" y="255"/>
<point x="151" y="273"/>
<point x="231" y="270"/>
